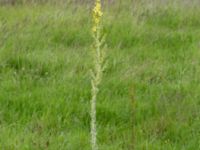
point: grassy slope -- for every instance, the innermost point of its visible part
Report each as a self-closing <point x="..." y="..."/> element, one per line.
<point x="45" y="86"/>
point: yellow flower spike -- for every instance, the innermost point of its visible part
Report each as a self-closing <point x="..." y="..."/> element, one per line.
<point x="97" y="14"/>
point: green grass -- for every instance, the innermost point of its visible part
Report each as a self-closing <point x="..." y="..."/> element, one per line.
<point x="153" y="62"/>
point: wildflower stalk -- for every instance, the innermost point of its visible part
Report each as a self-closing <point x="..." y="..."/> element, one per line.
<point x="96" y="73"/>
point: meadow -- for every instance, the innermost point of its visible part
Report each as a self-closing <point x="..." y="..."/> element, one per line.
<point x="149" y="97"/>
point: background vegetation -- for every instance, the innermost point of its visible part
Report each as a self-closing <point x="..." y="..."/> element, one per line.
<point x="150" y="93"/>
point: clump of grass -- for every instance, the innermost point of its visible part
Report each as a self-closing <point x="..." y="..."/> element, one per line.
<point x="96" y="73"/>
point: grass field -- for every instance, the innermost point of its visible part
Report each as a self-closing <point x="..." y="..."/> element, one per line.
<point x="149" y="97"/>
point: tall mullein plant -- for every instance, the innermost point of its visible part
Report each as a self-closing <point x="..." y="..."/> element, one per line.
<point x="98" y="67"/>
